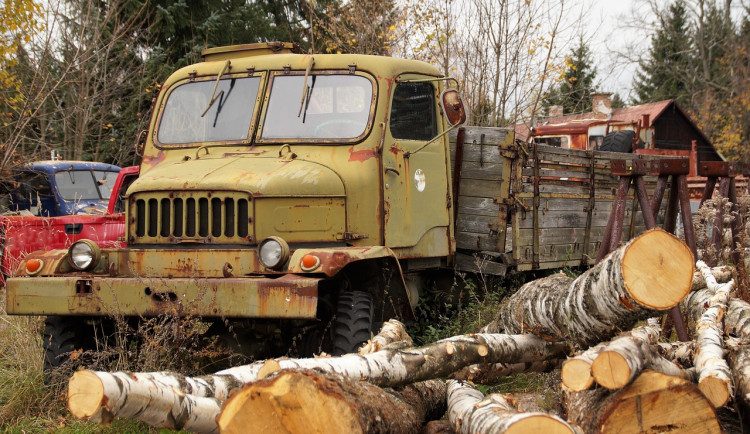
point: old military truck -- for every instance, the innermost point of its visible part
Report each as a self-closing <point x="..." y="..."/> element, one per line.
<point x="307" y="198"/>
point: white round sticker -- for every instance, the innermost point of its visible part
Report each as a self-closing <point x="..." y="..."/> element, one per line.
<point x="419" y="178"/>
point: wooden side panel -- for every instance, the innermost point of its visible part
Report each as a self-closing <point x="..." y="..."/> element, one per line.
<point x="571" y="214"/>
<point x="483" y="188"/>
<point x="536" y="208"/>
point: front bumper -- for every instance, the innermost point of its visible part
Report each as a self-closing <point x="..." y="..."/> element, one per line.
<point x="288" y="296"/>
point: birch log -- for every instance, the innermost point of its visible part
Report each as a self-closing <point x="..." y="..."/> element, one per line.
<point x="493" y="373"/>
<point x="626" y="356"/>
<point x="737" y="320"/>
<point x="714" y="377"/>
<point x="654" y="402"/>
<point x="722" y="274"/>
<point x="471" y="412"/>
<point x="121" y="393"/>
<point x="100" y="399"/>
<point x="391" y="332"/>
<point x="739" y="361"/>
<point x="576" y="371"/>
<point x="311" y="401"/>
<point x="651" y="273"/>
<point x="681" y="353"/>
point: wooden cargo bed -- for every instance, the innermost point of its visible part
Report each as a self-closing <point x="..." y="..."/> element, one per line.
<point x="524" y="207"/>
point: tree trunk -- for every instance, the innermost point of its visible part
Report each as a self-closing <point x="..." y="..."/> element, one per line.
<point x="651" y="273"/>
<point x="310" y="401"/>
<point x="576" y="371"/>
<point x="678" y="352"/>
<point x="714" y="377"/>
<point x="722" y="274"/>
<point x="626" y="356"/>
<point x="654" y="402"/>
<point x="739" y="361"/>
<point x="471" y="412"/>
<point x="737" y="319"/>
<point x="393" y="332"/>
<point x="493" y="373"/>
<point x="122" y="393"/>
<point x="101" y="398"/>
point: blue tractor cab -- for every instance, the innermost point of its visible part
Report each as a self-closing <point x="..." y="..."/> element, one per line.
<point x="56" y="188"/>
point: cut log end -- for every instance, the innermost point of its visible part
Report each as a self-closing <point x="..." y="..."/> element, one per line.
<point x="539" y="423"/>
<point x="576" y="375"/>
<point x="657" y="269"/>
<point x="85" y="394"/>
<point x="716" y="390"/>
<point x="611" y="370"/>
<point x="655" y="402"/>
<point x="288" y="403"/>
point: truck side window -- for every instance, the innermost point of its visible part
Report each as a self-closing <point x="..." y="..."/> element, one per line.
<point x="413" y="112"/>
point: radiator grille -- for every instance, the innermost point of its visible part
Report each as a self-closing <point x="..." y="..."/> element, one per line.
<point x="208" y="217"/>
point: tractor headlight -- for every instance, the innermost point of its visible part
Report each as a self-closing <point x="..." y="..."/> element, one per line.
<point x="84" y="255"/>
<point x="273" y="252"/>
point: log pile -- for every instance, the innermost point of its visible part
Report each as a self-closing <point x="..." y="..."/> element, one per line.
<point x="617" y="373"/>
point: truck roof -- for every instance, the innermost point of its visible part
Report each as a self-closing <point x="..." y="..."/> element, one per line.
<point x="384" y="67"/>
<point x="52" y="166"/>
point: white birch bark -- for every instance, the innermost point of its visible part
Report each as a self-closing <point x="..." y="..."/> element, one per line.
<point x="392" y="331"/>
<point x="623" y="359"/>
<point x="722" y="274"/>
<point x="681" y="353"/>
<point x="471" y="412"/>
<point x="714" y="376"/>
<point x="100" y="399"/>
<point x="165" y="391"/>
<point x="627" y="286"/>
<point x="576" y="370"/>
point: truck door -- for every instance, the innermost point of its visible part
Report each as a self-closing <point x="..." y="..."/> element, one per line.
<point x="415" y="182"/>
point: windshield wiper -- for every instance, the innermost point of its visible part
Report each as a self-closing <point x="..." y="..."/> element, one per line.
<point x="214" y="97"/>
<point x="306" y="90"/>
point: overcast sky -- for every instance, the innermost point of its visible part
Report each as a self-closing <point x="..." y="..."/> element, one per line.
<point x="615" y="42"/>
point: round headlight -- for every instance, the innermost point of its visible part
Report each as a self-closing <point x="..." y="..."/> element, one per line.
<point x="273" y="252"/>
<point x="84" y="255"/>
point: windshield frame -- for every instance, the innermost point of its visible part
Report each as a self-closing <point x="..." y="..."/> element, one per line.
<point x="259" y="98"/>
<point x="344" y="72"/>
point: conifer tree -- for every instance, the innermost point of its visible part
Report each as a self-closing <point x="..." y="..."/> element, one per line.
<point x="577" y="87"/>
<point x="664" y="73"/>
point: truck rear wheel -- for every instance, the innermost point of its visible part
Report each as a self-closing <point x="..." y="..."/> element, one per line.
<point x="353" y="322"/>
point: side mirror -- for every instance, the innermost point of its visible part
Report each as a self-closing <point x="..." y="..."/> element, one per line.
<point x="141" y="142"/>
<point x="453" y="107"/>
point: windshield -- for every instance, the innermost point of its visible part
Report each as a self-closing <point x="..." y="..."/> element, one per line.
<point x="337" y="107"/>
<point x="228" y="119"/>
<point x="76" y="185"/>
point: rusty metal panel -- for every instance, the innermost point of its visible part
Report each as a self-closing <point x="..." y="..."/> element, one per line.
<point x="288" y="296"/>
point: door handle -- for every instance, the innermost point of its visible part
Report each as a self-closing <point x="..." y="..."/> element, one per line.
<point x="73" y="228"/>
<point x="391" y="169"/>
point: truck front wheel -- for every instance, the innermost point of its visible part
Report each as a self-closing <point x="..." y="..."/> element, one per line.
<point x="61" y="338"/>
<point x="353" y="322"/>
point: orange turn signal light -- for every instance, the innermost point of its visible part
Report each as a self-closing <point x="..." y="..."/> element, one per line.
<point x="33" y="266"/>
<point x="309" y="262"/>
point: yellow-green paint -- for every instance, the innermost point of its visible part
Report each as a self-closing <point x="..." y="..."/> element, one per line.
<point x="286" y="297"/>
<point x="346" y="200"/>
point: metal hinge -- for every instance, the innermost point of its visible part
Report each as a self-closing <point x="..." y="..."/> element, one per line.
<point x="511" y="152"/>
<point x="349" y="236"/>
<point x="448" y="200"/>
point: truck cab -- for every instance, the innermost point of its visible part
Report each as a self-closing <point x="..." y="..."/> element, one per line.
<point x="58" y="187"/>
<point x="294" y="190"/>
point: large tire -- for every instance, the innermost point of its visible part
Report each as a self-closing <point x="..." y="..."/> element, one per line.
<point x="353" y="324"/>
<point x="62" y="336"/>
<point x="618" y="141"/>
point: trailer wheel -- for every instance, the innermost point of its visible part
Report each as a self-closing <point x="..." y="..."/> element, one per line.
<point x="61" y="337"/>
<point x="353" y="322"/>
